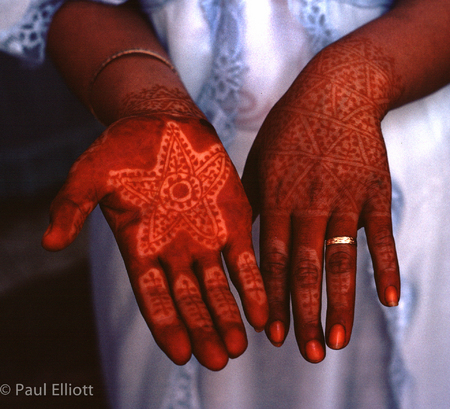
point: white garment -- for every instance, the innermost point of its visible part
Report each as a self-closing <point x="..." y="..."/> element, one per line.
<point x="374" y="371"/>
<point x="263" y="44"/>
<point x="12" y="12"/>
<point x="275" y="46"/>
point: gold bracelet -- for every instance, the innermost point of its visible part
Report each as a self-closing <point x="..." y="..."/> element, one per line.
<point x="119" y="55"/>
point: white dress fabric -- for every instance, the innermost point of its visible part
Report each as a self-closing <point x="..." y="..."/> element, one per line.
<point x="237" y="57"/>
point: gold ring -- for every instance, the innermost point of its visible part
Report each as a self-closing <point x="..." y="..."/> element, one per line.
<point x="341" y="240"/>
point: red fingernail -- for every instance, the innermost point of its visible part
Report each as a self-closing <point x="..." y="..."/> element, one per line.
<point x="314" y="351"/>
<point x="276" y="331"/>
<point x="391" y="296"/>
<point x="336" y="338"/>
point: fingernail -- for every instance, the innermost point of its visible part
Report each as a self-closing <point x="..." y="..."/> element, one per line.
<point x="276" y="331"/>
<point x="391" y="296"/>
<point x="314" y="351"/>
<point x="336" y="338"/>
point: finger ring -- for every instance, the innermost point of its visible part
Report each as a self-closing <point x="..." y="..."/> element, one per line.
<point x="341" y="240"/>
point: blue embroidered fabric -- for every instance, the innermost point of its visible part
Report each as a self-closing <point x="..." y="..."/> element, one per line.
<point x="27" y="38"/>
<point x="220" y="94"/>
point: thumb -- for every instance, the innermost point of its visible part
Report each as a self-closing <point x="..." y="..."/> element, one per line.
<point x="68" y="213"/>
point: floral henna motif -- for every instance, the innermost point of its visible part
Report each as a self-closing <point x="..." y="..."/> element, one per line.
<point x="328" y="131"/>
<point x="161" y="100"/>
<point x="178" y="194"/>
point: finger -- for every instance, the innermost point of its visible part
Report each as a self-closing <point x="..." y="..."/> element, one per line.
<point x="340" y="267"/>
<point x="157" y="307"/>
<point x="207" y="346"/>
<point x="246" y="277"/>
<point x="306" y="285"/>
<point x="384" y="258"/>
<point x="274" y="249"/>
<point x="222" y="305"/>
<point x="68" y="212"/>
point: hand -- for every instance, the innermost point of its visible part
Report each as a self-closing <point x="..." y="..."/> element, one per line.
<point x="318" y="169"/>
<point x="176" y="205"/>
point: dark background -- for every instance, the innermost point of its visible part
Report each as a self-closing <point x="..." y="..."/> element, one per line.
<point x="47" y="332"/>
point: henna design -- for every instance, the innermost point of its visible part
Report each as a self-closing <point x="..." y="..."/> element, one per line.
<point x="326" y="134"/>
<point x="188" y="299"/>
<point x="161" y="100"/>
<point x="252" y="281"/>
<point x="178" y="194"/>
<point x="159" y="300"/>
<point x="338" y="280"/>
<point x="306" y="276"/>
<point x="217" y="289"/>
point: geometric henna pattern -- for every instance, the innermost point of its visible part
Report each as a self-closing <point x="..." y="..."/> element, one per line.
<point x="179" y="193"/>
<point x="328" y="131"/>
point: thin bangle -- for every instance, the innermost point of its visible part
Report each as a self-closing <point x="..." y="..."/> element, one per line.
<point x="119" y="55"/>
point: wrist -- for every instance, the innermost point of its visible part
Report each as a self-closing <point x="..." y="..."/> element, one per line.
<point x="351" y="75"/>
<point x="159" y="99"/>
<point x="138" y="84"/>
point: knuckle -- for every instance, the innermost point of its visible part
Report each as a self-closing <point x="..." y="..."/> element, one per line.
<point x="275" y="264"/>
<point x="215" y="280"/>
<point x="382" y="246"/>
<point x="306" y="271"/>
<point x="340" y="263"/>
<point x="186" y="292"/>
<point x="340" y="307"/>
<point x="382" y="238"/>
<point x="310" y="323"/>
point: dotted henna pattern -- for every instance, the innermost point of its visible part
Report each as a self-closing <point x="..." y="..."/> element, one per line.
<point x="326" y="135"/>
<point x="178" y="194"/>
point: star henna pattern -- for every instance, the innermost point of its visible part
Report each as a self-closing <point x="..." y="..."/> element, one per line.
<point x="178" y="194"/>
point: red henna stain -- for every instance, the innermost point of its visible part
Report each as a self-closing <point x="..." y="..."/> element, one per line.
<point x="190" y="303"/>
<point x="339" y="279"/>
<point x="158" y="299"/>
<point x="220" y="297"/>
<point x="324" y="141"/>
<point x="306" y="280"/>
<point x="252" y="281"/>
